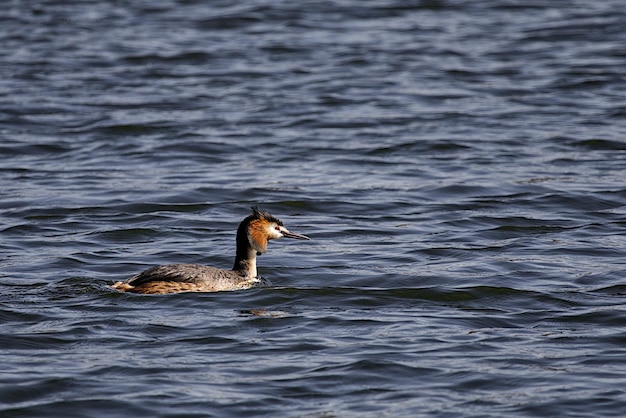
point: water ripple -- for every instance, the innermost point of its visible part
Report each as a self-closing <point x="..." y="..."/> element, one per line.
<point x="459" y="166"/>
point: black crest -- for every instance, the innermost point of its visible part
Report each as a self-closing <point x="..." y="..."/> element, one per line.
<point x="260" y="214"/>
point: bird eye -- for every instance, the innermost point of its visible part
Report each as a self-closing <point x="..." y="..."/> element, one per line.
<point x="277" y="228"/>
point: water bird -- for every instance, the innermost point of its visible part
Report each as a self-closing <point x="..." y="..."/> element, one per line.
<point x="253" y="234"/>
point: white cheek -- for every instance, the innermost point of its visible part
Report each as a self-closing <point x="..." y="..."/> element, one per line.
<point x="272" y="233"/>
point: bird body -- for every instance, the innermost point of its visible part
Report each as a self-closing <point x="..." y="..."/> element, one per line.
<point x="253" y="234"/>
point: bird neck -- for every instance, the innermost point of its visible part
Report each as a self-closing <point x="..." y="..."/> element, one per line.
<point x="245" y="258"/>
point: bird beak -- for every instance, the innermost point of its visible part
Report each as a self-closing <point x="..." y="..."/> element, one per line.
<point x="293" y="235"/>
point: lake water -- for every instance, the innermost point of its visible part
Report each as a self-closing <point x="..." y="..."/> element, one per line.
<point x="459" y="165"/>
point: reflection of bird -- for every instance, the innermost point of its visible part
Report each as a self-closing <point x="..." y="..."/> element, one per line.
<point x="252" y="236"/>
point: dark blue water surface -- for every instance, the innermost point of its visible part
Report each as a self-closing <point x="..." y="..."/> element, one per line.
<point x="459" y="165"/>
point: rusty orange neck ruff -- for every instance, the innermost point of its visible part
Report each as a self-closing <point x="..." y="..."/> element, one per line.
<point x="257" y="235"/>
<point x="251" y="240"/>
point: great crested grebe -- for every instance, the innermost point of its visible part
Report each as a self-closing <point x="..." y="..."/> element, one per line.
<point x="252" y="236"/>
